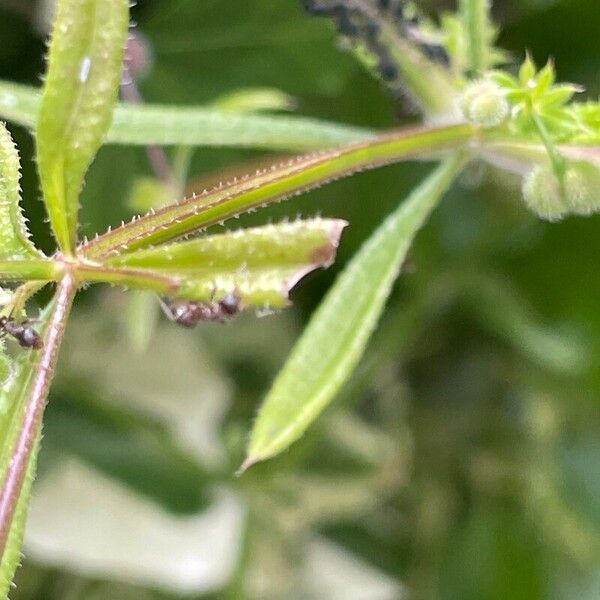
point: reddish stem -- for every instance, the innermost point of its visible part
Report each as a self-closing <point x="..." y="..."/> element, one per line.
<point x="130" y="92"/>
<point x="34" y="409"/>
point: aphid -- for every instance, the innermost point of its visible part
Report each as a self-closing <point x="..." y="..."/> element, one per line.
<point x="372" y="31"/>
<point x="23" y="332"/>
<point x="188" y="313"/>
<point x="436" y="53"/>
<point x="387" y="69"/>
<point x="346" y="26"/>
<point x="317" y="8"/>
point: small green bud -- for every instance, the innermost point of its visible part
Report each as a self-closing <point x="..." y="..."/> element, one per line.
<point x="543" y="195"/>
<point x="484" y="103"/>
<point x="582" y="187"/>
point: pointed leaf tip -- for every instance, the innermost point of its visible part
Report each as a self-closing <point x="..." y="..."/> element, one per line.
<point x="337" y="334"/>
<point x="248" y="462"/>
<point x="14" y="235"/>
<point x="84" y="71"/>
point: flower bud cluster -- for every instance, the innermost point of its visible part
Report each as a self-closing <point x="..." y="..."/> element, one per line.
<point x="552" y="198"/>
<point x="484" y="103"/>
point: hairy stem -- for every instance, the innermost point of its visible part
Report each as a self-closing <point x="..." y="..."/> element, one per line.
<point x="30" y="269"/>
<point x="34" y="409"/>
<point x="287" y="179"/>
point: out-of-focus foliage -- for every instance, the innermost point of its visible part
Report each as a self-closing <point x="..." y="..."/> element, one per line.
<point x="461" y="462"/>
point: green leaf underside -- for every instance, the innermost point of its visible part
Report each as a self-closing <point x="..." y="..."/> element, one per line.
<point x="281" y="181"/>
<point x="193" y="126"/>
<point x="260" y="265"/>
<point x="167" y="125"/>
<point x="299" y="242"/>
<point x="334" y="340"/>
<point x="30" y="377"/>
<point x="81" y="88"/>
<point x="14" y="236"/>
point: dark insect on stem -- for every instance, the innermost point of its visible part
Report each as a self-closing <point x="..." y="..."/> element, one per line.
<point x="346" y="25"/>
<point x="387" y="69"/>
<point x="372" y="31"/>
<point x="363" y="22"/>
<point x="23" y="332"/>
<point x="319" y="8"/>
<point x="188" y="313"/>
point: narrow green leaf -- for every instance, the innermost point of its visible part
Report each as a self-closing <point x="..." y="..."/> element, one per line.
<point x="334" y="340"/>
<point x="281" y="181"/>
<point x="27" y="269"/>
<point x="22" y="402"/>
<point x="476" y="18"/>
<point x="141" y="320"/>
<point x="193" y="126"/>
<point x="19" y="103"/>
<point x="14" y="236"/>
<point x="84" y="70"/>
<point x="283" y="244"/>
<point x="261" y="265"/>
<point x="178" y="125"/>
<point x="10" y="412"/>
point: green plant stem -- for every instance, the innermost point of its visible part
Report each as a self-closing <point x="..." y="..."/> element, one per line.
<point x="556" y="158"/>
<point x="476" y="22"/>
<point x="43" y="270"/>
<point x="37" y="392"/>
<point x="137" y="278"/>
<point x="520" y="156"/>
<point x="293" y="177"/>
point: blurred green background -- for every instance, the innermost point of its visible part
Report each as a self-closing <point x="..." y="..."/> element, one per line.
<point x="462" y="461"/>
